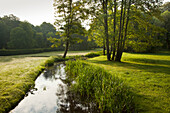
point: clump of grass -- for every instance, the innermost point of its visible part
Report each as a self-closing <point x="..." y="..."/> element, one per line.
<point x="92" y="54"/>
<point x="110" y="93"/>
<point x="50" y="61"/>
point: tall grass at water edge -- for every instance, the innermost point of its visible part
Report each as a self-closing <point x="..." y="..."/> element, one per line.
<point x="110" y="93"/>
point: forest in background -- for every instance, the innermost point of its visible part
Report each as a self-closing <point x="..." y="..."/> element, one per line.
<point x="15" y="34"/>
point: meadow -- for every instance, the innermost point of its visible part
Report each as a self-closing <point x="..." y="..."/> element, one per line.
<point x="147" y="74"/>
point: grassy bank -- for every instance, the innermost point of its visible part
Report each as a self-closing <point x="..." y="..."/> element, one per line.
<point x="147" y="74"/>
<point x="16" y="77"/>
<point x="109" y="93"/>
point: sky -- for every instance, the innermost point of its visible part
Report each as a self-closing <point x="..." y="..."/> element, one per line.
<point x="33" y="11"/>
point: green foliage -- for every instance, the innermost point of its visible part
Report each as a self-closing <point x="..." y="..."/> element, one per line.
<point x="3" y="34"/>
<point x="145" y="32"/>
<point x="93" y="54"/>
<point x="34" y="36"/>
<point x="18" y="38"/>
<point x="109" y="92"/>
<point x="70" y="13"/>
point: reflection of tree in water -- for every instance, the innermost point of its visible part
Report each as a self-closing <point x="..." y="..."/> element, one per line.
<point x="54" y="70"/>
<point x="74" y="104"/>
<point x="67" y="101"/>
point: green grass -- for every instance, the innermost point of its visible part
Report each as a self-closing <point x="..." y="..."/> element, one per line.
<point x="16" y="77"/>
<point x="95" y="84"/>
<point x="147" y="74"/>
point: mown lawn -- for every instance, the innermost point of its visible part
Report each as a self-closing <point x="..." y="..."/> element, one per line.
<point x="147" y="74"/>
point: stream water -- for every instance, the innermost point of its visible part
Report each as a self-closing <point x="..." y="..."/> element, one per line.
<point x="50" y="95"/>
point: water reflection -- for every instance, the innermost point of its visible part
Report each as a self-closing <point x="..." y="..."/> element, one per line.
<point x="51" y="95"/>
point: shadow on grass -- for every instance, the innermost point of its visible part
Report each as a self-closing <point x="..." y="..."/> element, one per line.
<point x="146" y="60"/>
<point x="164" y="53"/>
<point x="5" y="59"/>
<point x="143" y="67"/>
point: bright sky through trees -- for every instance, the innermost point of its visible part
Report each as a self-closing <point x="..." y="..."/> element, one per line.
<point x="34" y="11"/>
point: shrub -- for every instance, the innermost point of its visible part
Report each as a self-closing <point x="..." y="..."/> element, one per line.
<point x="91" y="55"/>
<point x="110" y="93"/>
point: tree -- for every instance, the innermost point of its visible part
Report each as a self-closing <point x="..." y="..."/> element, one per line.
<point x="11" y="21"/>
<point x="69" y="15"/>
<point x="3" y="35"/>
<point x="17" y="38"/>
<point x="29" y="34"/>
<point x="119" y="29"/>
<point x="39" y="40"/>
<point x="166" y="24"/>
<point x="45" y="28"/>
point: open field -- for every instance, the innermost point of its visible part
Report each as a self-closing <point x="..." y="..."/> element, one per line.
<point x="4" y="59"/>
<point x="147" y="74"/>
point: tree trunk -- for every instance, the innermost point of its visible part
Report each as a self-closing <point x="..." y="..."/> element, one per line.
<point x="114" y="48"/>
<point x="66" y="49"/>
<point x="104" y="47"/>
<point x="127" y="21"/>
<point x="105" y="3"/>
<point x="168" y="41"/>
<point x="124" y="15"/>
<point x="120" y="31"/>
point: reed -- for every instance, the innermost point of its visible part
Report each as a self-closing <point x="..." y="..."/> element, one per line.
<point x="109" y="92"/>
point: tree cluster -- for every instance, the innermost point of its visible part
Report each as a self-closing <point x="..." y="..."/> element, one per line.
<point x="15" y="34"/>
<point x="128" y="25"/>
<point x="117" y="25"/>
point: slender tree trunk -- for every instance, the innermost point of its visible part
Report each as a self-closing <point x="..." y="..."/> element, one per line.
<point x="114" y="48"/>
<point x="167" y="40"/>
<point x="104" y="47"/>
<point x="69" y="27"/>
<point x="66" y="49"/>
<point x="126" y="27"/>
<point x="124" y="15"/>
<point x="120" y="31"/>
<point x="105" y="2"/>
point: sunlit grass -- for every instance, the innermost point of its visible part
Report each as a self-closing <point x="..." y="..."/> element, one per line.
<point x="16" y="77"/>
<point x="148" y="74"/>
<point x="109" y="93"/>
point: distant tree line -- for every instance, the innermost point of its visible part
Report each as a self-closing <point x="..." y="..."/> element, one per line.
<point x="15" y="34"/>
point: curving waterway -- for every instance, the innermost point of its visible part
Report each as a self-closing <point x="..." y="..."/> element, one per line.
<point x="50" y="95"/>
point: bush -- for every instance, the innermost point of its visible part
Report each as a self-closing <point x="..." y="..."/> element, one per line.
<point x="91" y="55"/>
<point x="110" y="93"/>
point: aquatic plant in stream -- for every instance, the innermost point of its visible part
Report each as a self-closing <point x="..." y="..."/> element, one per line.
<point x="110" y="93"/>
